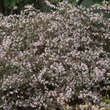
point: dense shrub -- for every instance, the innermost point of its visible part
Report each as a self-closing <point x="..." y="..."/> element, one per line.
<point x="49" y="60"/>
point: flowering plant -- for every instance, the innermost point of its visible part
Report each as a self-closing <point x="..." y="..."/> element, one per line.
<point x="49" y="58"/>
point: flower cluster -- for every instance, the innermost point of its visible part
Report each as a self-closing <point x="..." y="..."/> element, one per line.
<point x="45" y="57"/>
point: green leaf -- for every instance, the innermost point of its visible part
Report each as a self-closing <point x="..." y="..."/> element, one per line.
<point x="107" y="100"/>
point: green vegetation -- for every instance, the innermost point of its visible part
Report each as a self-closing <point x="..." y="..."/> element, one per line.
<point x="8" y="6"/>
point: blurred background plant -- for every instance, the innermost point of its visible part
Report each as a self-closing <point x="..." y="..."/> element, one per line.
<point x="15" y="6"/>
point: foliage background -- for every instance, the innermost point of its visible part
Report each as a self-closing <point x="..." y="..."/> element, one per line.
<point x="8" y="5"/>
